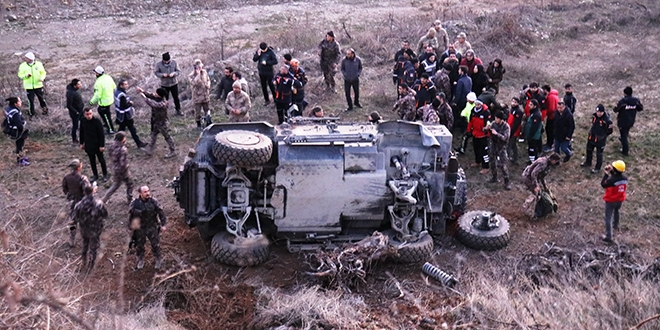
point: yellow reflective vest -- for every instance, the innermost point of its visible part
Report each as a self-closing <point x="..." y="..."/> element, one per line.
<point x="104" y="89"/>
<point x="33" y="75"/>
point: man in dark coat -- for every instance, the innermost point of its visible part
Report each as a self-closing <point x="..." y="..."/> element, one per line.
<point x="225" y="85"/>
<point x="564" y="127"/>
<point x="89" y="214"/>
<point x="73" y="186"/>
<point x="626" y="111"/>
<point x="147" y="220"/>
<point x="92" y="140"/>
<point x="601" y="127"/>
<point x="284" y="83"/>
<point x="351" y="69"/>
<point x="265" y="58"/>
<point x="463" y="87"/>
<point x="75" y="105"/>
<point x="569" y="98"/>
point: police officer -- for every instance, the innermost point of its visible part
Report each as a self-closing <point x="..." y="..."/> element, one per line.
<point x="145" y="213"/>
<point x="89" y="213"/>
<point x="601" y="127"/>
<point x="499" y="134"/>
<point x="627" y="109"/>
<point x="73" y="186"/>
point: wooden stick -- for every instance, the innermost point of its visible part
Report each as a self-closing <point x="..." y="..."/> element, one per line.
<point x="640" y="324"/>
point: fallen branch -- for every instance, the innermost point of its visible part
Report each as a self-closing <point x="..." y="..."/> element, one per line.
<point x="640" y="324"/>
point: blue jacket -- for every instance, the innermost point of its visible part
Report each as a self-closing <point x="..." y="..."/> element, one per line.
<point x="463" y="88"/>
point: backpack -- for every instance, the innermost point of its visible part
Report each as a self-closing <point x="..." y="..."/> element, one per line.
<point x="546" y="204"/>
<point x="7" y="127"/>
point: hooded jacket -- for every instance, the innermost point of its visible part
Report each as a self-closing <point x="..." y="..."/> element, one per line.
<point x="479" y="80"/>
<point x="269" y="57"/>
<point x="74" y="101"/>
<point x="551" y="101"/>
<point x="15" y="123"/>
<point x="495" y="73"/>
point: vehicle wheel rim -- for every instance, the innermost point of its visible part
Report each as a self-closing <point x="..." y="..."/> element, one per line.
<point x="243" y="139"/>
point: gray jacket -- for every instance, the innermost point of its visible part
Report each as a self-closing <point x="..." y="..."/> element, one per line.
<point x="351" y="68"/>
<point x="163" y="69"/>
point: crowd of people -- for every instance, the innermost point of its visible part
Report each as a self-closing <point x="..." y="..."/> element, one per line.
<point x="447" y="83"/>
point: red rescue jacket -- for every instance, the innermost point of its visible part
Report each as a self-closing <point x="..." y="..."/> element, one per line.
<point x="615" y="187"/>
<point x="479" y="120"/>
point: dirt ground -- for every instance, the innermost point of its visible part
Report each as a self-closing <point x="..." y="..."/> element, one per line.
<point x="584" y="43"/>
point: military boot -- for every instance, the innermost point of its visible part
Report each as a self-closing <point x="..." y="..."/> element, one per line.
<point x="507" y="184"/>
<point x="140" y="263"/>
<point x="159" y="262"/>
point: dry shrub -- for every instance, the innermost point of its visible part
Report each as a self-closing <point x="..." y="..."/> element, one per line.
<point x="307" y="308"/>
<point x="505" y="31"/>
<point x="573" y="293"/>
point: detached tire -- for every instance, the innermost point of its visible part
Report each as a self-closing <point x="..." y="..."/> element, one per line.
<point x="239" y="251"/>
<point x="473" y="237"/>
<point x="412" y="252"/>
<point x="242" y="148"/>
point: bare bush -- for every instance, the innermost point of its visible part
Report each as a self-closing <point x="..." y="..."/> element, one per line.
<point x="307" y="308"/>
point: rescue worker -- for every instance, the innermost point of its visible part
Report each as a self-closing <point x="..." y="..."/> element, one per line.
<point x="125" y="112"/>
<point x="15" y="127"/>
<point x="424" y="91"/>
<point x="92" y="140"/>
<point x="119" y="161"/>
<point x="626" y="111"/>
<point x="615" y="184"/>
<point x="500" y="134"/>
<point x="479" y="120"/>
<point x="514" y="120"/>
<point x="103" y="95"/>
<point x="159" y="119"/>
<point x="601" y="127"/>
<point x="33" y="74"/>
<point x="298" y="97"/>
<point x="330" y="53"/>
<point x="532" y="131"/>
<point x="200" y="85"/>
<point x="405" y="105"/>
<point x="534" y="175"/>
<point x="266" y="59"/>
<point x="89" y="214"/>
<point x="168" y="71"/>
<point x="73" y="186"/>
<point x="462" y="121"/>
<point x="238" y="104"/>
<point x="147" y="220"/>
<point x="551" y="101"/>
<point x="284" y="84"/>
<point x="533" y="93"/>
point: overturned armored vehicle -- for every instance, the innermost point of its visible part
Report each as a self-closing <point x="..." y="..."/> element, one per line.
<point x="318" y="183"/>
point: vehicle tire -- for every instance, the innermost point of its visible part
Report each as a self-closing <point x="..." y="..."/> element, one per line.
<point x="479" y="239"/>
<point x="239" y="251"/>
<point x="206" y="231"/>
<point x="412" y="252"/>
<point x="242" y="148"/>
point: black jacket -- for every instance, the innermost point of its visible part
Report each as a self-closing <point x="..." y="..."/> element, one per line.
<point x="284" y="84"/>
<point x="570" y="101"/>
<point x="74" y="101"/>
<point x="224" y="87"/>
<point x="92" y="134"/>
<point x="479" y="80"/>
<point x="600" y="129"/>
<point x="564" y="125"/>
<point x="269" y="57"/>
<point x="425" y="93"/>
<point x="626" y="110"/>
<point x="401" y="51"/>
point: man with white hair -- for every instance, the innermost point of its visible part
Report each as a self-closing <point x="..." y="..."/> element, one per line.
<point x="32" y="73"/>
<point x="238" y="104"/>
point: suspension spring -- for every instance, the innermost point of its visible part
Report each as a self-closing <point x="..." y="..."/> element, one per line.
<point x="435" y="272"/>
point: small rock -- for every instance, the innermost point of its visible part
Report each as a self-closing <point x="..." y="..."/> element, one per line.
<point x="130" y="21"/>
<point x="12" y="18"/>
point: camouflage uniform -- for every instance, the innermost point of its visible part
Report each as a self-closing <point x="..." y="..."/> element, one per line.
<point x="119" y="160"/>
<point x="534" y="175"/>
<point x="240" y="101"/>
<point x="201" y="87"/>
<point x="442" y="83"/>
<point x="148" y="212"/>
<point x="428" y="115"/>
<point x="405" y="107"/>
<point x="159" y="120"/>
<point x="446" y="116"/>
<point x="89" y="213"/>
<point x="73" y="186"/>
<point x="330" y="56"/>
<point x="499" y="143"/>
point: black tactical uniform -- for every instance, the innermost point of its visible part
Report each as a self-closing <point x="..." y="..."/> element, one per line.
<point x="148" y="212"/>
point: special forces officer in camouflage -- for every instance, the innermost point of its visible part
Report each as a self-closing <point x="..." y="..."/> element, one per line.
<point x="145" y="213"/>
<point x="499" y="134"/>
<point x="119" y="160"/>
<point x="330" y="52"/>
<point x="73" y="186"/>
<point x="159" y="119"/>
<point x="89" y="213"/>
